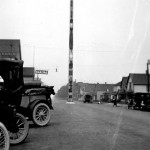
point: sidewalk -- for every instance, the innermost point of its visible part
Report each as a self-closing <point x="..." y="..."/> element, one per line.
<point x="118" y="104"/>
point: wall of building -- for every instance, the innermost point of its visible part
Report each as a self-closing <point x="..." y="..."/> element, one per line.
<point x="130" y="86"/>
<point x="140" y="88"/>
<point x="100" y="94"/>
<point x="116" y="88"/>
<point x="28" y="79"/>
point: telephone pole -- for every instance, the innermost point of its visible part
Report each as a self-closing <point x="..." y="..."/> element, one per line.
<point x="70" y="72"/>
<point x="147" y="72"/>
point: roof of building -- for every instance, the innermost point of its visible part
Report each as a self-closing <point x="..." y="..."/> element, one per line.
<point x="138" y="79"/>
<point x="93" y="88"/>
<point x="124" y="82"/>
<point x="105" y="87"/>
<point x="80" y="83"/>
<point x="118" y="84"/>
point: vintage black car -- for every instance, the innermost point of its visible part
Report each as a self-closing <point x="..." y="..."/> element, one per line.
<point x="145" y="103"/>
<point x="32" y="103"/>
<point x="87" y="98"/>
<point x="140" y="100"/>
<point x="11" y="89"/>
<point x="36" y="104"/>
<point x="137" y="99"/>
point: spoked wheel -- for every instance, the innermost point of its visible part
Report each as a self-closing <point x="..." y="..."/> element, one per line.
<point x="23" y="129"/>
<point x="41" y="114"/>
<point x="4" y="138"/>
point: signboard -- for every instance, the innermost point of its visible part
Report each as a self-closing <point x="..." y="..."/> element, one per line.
<point x="41" y="71"/>
<point x="10" y="49"/>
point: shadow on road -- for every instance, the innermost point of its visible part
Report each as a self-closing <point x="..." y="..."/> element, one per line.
<point x="32" y="125"/>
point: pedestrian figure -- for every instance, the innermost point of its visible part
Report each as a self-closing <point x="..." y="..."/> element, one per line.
<point x="130" y="103"/>
<point x="114" y="101"/>
<point x="99" y="101"/>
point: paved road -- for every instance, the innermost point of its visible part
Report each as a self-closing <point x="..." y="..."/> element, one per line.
<point x="82" y="126"/>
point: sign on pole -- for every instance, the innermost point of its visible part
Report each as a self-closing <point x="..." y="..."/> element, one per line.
<point x="41" y="71"/>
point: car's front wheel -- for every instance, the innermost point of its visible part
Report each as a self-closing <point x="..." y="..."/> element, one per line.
<point x="22" y="132"/>
<point x="41" y="114"/>
<point x="4" y="137"/>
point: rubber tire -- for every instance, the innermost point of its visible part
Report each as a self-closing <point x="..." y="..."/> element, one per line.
<point x="47" y="117"/>
<point x="20" y="119"/>
<point x="4" y="132"/>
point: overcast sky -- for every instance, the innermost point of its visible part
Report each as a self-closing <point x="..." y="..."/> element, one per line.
<point x="111" y="37"/>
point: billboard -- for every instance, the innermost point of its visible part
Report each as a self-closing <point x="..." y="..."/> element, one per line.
<point x="10" y="49"/>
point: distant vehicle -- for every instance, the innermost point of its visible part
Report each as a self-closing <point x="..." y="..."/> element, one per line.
<point x="145" y="103"/>
<point x="141" y="101"/>
<point x="88" y="98"/>
<point x="137" y="99"/>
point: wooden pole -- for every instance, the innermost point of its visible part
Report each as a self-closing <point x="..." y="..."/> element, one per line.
<point x="70" y="76"/>
<point x="147" y="78"/>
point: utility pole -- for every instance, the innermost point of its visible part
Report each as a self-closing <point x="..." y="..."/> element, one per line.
<point x="148" y="76"/>
<point x="70" y="76"/>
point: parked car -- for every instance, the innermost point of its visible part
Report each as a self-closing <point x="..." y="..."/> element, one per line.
<point x="145" y="103"/>
<point x="141" y="101"/>
<point x="11" y="90"/>
<point x="36" y="104"/>
<point x="87" y="98"/>
<point x="137" y="99"/>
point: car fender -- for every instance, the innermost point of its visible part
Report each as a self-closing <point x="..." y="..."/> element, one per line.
<point x="35" y="102"/>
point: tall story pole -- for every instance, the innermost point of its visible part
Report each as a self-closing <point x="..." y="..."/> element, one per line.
<point x="70" y="76"/>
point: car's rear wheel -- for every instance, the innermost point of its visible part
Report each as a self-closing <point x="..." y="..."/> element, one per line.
<point x="41" y="114"/>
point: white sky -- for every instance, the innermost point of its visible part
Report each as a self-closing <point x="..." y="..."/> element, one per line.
<point x="111" y="37"/>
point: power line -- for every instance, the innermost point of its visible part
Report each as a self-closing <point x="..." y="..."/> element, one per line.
<point x="110" y="51"/>
<point x="107" y="50"/>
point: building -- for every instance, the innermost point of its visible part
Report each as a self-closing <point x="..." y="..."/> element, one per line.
<point x="97" y="91"/>
<point x="123" y="88"/>
<point x="104" y="91"/>
<point x="87" y="89"/>
<point x="117" y="87"/>
<point x="29" y="77"/>
<point x="137" y="82"/>
<point x="10" y="48"/>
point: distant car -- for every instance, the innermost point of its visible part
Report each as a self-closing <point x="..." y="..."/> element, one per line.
<point x="141" y="101"/>
<point x="88" y="99"/>
<point x="137" y="99"/>
<point x="145" y="103"/>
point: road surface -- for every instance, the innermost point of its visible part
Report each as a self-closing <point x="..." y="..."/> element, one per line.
<point x="83" y="126"/>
